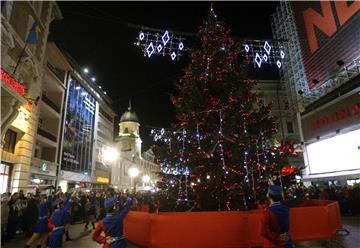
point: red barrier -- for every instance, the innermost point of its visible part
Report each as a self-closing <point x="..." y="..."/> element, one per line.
<point x="137" y="227"/>
<point x="313" y="221"/>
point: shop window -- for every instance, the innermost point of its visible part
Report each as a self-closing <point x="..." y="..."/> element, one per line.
<point x="10" y="141"/>
<point x="290" y="127"/>
<point x="4" y="177"/>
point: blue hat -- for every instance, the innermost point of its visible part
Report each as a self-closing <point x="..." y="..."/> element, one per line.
<point x="110" y="202"/>
<point x="274" y="190"/>
<point x="56" y="201"/>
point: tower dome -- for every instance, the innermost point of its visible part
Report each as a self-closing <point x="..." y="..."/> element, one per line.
<point x="129" y="115"/>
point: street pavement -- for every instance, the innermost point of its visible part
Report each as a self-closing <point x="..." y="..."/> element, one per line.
<point x="82" y="239"/>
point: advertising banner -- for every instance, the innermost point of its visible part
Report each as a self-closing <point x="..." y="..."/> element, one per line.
<point x="329" y="34"/>
<point x="79" y="129"/>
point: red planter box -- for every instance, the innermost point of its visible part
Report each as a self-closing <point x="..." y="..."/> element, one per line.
<point x="314" y="220"/>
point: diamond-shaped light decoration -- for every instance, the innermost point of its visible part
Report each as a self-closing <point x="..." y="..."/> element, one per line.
<point x="150" y="49"/>
<point x="159" y="48"/>
<point x="141" y="36"/>
<point x="181" y="46"/>
<point x="267" y="47"/>
<point x="282" y="54"/>
<point x="173" y="55"/>
<point x="278" y="63"/>
<point x="265" y="57"/>
<point x="247" y="48"/>
<point x="258" y="60"/>
<point x="165" y="38"/>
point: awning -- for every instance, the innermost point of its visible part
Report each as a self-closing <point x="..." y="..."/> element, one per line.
<point x="338" y="175"/>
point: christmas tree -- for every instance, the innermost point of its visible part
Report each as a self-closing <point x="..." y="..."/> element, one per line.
<point x="219" y="155"/>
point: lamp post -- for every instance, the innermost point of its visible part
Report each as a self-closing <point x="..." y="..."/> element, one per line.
<point x="133" y="172"/>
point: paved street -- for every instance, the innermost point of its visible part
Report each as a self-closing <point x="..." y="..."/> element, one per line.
<point x="352" y="240"/>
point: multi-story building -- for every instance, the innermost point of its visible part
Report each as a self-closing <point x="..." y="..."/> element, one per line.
<point x="24" y="33"/>
<point x="128" y="143"/>
<point x="45" y="158"/>
<point x="88" y="127"/>
<point x="274" y="92"/>
<point x="321" y="73"/>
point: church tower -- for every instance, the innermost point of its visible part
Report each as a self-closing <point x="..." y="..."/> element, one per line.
<point x="129" y="137"/>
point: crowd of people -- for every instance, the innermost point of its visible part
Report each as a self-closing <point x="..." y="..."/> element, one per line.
<point x="348" y="196"/>
<point x="46" y="219"/>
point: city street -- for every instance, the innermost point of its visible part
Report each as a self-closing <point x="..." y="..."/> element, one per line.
<point x="341" y="240"/>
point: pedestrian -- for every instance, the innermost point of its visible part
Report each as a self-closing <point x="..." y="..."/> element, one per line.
<point x="276" y="222"/>
<point x="4" y="215"/>
<point x="67" y="219"/>
<point x="57" y="221"/>
<point x="40" y="230"/>
<point x="91" y="212"/>
<point x="112" y="224"/>
<point x="13" y="218"/>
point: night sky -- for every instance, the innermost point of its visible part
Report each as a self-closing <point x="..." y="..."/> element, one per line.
<point x="97" y="36"/>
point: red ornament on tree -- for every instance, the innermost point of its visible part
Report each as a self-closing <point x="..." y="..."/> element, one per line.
<point x="287" y="170"/>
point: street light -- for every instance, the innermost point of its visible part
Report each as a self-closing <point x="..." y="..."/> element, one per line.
<point x="133" y="172"/>
<point x="110" y="154"/>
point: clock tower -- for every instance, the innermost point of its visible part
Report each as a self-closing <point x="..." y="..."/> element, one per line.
<point x="128" y="144"/>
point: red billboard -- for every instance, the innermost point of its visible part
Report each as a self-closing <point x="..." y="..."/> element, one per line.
<point x="329" y="34"/>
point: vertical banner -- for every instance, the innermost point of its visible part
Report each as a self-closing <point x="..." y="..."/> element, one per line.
<point x="79" y="129"/>
<point x="329" y="33"/>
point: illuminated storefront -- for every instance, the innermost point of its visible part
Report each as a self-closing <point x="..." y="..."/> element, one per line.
<point x="332" y="138"/>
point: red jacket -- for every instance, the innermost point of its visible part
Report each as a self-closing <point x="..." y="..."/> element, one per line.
<point x="271" y="231"/>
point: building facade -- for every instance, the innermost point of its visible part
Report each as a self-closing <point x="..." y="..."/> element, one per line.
<point x="321" y="74"/>
<point x="87" y="129"/>
<point x="24" y="29"/>
<point x="128" y="143"/>
<point x="46" y="154"/>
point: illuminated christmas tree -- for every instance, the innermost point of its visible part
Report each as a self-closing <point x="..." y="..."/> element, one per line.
<point x="219" y="154"/>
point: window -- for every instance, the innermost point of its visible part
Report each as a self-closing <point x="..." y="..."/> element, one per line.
<point x="290" y="127"/>
<point x="126" y="130"/>
<point x="10" y="141"/>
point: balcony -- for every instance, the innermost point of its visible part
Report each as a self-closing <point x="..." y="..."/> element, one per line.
<point x="50" y="103"/>
<point x="57" y="72"/>
<point x="46" y="134"/>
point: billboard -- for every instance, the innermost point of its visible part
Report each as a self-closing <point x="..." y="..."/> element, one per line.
<point x="329" y="34"/>
<point x="337" y="154"/>
<point x="79" y="129"/>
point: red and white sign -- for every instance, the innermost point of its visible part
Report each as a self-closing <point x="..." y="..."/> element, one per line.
<point x="12" y="82"/>
<point x="329" y="31"/>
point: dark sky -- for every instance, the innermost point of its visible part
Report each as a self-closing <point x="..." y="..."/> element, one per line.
<point x="97" y="36"/>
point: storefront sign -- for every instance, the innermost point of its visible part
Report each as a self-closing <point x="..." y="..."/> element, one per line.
<point x="102" y="180"/>
<point x="337" y="116"/>
<point x="328" y="33"/>
<point x="12" y="82"/>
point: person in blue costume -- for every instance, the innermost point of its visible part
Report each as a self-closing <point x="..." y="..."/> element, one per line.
<point x="112" y="224"/>
<point x="41" y="229"/>
<point x="67" y="219"/>
<point x="91" y="212"/>
<point x="276" y="222"/>
<point x="57" y="221"/>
